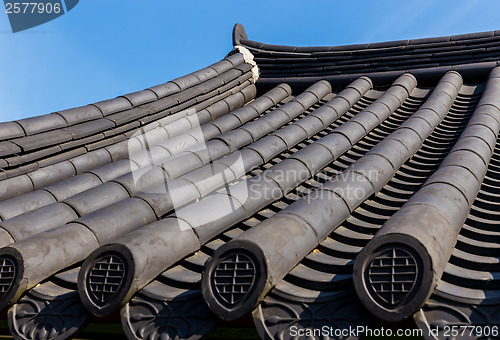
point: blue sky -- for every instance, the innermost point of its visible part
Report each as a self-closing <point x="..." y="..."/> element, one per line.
<point x="105" y="48"/>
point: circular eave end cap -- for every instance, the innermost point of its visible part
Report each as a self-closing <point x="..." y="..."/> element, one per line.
<point x="393" y="276"/>
<point x="11" y="276"/>
<point x="234" y="279"/>
<point x="105" y="279"/>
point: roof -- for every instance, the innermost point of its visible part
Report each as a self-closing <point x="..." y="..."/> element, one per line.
<point x="309" y="186"/>
<point x="473" y="55"/>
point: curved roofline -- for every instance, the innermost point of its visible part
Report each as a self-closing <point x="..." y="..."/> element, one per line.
<point x="240" y="37"/>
